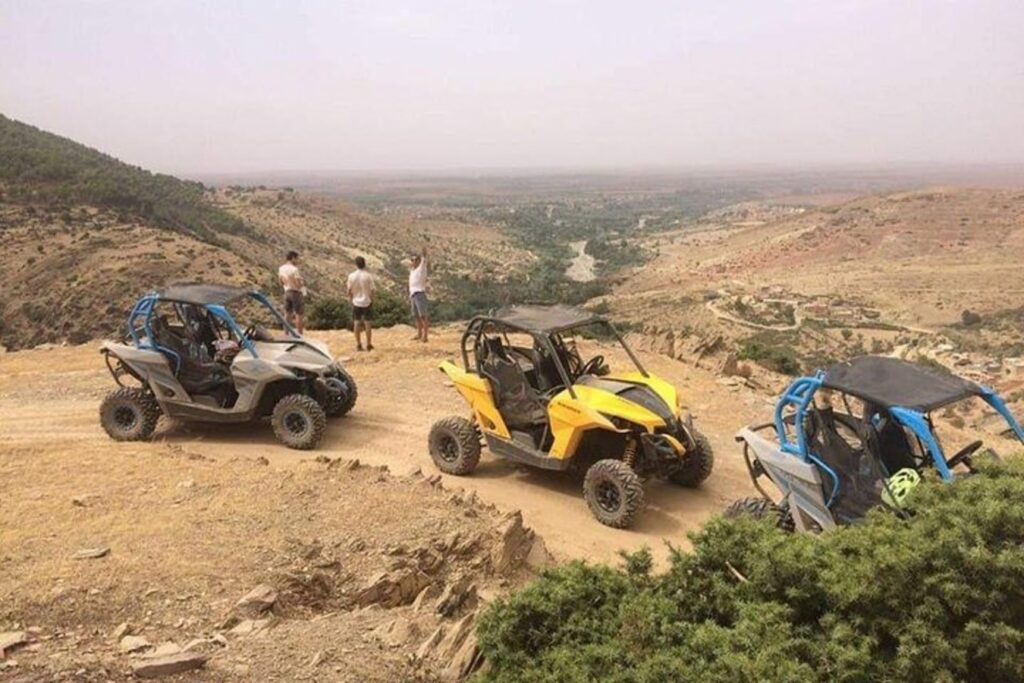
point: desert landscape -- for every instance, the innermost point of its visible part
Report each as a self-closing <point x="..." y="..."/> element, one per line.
<point x="725" y="368"/>
<point x="215" y="547"/>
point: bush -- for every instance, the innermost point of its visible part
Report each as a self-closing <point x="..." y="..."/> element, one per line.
<point x="937" y="597"/>
<point x="774" y="357"/>
<point x="335" y="312"/>
<point x="330" y="313"/>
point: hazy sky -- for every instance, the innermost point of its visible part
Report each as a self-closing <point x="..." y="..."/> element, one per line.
<point x="180" y="86"/>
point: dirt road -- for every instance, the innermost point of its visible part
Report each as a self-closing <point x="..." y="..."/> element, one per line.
<point x="49" y="399"/>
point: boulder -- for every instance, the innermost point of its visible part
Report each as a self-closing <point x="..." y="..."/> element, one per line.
<point x="392" y="589"/>
<point x="456" y="594"/>
<point x="91" y="553"/>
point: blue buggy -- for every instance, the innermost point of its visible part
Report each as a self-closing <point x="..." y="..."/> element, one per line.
<point x="854" y="436"/>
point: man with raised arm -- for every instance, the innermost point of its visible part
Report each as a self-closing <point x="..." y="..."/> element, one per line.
<point x="418" y="295"/>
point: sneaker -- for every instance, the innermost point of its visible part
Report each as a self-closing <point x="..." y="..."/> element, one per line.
<point x="360" y="348"/>
<point x="369" y="347"/>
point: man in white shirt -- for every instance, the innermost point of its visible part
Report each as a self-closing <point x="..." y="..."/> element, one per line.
<point x="360" y="293"/>
<point x="418" y="295"/>
<point x="294" y="291"/>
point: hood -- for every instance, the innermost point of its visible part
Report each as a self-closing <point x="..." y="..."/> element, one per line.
<point x="629" y="400"/>
<point x="305" y="354"/>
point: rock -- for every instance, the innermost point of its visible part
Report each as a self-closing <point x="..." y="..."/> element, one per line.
<point x="399" y="632"/>
<point x="163" y="650"/>
<point x="427" y="594"/>
<point x="539" y="557"/>
<point x="84" y="500"/>
<point x="11" y="640"/>
<point x="317" y="659"/>
<point x="133" y="644"/>
<point x="257" y="601"/>
<point x="514" y="543"/>
<point x="455" y="595"/>
<point x="169" y="665"/>
<point x="249" y="626"/>
<point x="428" y="645"/>
<point x="464" y="661"/>
<point x="187" y="484"/>
<point x="392" y="589"/>
<point x="121" y="631"/>
<point x="91" y="553"/>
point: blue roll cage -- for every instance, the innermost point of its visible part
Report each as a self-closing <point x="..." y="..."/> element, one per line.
<point x="145" y="306"/>
<point x="799" y="395"/>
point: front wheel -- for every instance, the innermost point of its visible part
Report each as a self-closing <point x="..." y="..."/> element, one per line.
<point x="346" y="400"/>
<point x="129" y="414"/>
<point x="454" y="445"/>
<point x="299" y="422"/>
<point x="697" y="466"/>
<point x="613" y="492"/>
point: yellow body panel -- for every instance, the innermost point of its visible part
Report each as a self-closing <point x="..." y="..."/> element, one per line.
<point x="569" y="417"/>
<point x="477" y="391"/>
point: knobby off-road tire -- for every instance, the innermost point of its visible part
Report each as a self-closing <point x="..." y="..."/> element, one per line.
<point x="299" y="422"/>
<point x="342" y="408"/>
<point x="129" y="414"/>
<point x="455" y="445"/>
<point x="761" y="508"/>
<point x="698" y="464"/>
<point x="613" y="492"/>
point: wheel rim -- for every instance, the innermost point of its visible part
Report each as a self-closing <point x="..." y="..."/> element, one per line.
<point x="448" y="449"/>
<point x="608" y="496"/>
<point x="296" y="423"/>
<point x="125" y="417"/>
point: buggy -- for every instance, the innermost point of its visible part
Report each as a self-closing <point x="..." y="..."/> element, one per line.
<point x="536" y="401"/>
<point x="191" y="361"/>
<point x="855" y="436"/>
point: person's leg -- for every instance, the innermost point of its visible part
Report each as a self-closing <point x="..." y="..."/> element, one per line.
<point x="415" y="317"/>
<point x="426" y="327"/>
<point x="300" y="324"/>
<point x="357" y="329"/>
<point x="369" y="334"/>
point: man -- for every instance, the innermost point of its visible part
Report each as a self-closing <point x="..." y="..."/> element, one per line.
<point x="294" y="291"/>
<point x="360" y="293"/>
<point x="418" y="295"/>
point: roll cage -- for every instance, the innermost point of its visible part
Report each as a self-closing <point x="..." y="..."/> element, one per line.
<point x="140" y="320"/>
<point x="794" y="407"/>
<point x="549" y="338"/>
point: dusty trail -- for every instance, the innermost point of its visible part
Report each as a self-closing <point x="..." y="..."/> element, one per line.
<point x="49" y="398"/>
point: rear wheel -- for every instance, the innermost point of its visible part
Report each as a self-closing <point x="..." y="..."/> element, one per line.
<point x="614" y="493"/>
<point x="454" y="445"/>
<point x="343" y="405"/>
<point x="698" y="464"/>
<point x="761" y="508"/>
<point x="129" y="414"/>
<point x="298" y="421"/>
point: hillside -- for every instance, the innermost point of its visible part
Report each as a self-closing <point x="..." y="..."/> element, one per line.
<point x="85" y="235"/>
<point x="881" y="274"/>
<point x="40" y="168"/>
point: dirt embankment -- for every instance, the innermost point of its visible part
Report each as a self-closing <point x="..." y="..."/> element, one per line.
<point x="191" y="522"/>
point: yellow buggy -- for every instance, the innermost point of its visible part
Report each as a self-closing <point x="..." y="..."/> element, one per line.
<point x="536" y="401"/>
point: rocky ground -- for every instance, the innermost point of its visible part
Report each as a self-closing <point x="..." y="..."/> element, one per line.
<point x="375" y="570"/>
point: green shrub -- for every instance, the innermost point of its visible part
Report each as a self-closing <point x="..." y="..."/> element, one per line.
<point x="329" y="313"/>
<point x="774" y="357"/>
<point x="937" y="597"/>
<point x="335" y="312"/>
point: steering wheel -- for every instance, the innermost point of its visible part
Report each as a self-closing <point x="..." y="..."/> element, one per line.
<point x="592" y="365"/>
<point x="964" y="454"/>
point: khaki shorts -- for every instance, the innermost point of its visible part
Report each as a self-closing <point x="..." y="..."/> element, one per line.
<point x="294" y="302"/>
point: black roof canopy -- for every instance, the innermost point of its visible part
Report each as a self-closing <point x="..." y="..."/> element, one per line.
<point x="891" y="382"/>
<point x="203" y="294"/>
<point x="544" y="319"/>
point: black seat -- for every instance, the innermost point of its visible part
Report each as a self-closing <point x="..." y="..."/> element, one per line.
<point x="859" y="478"/>
<point x="516" y="399"/>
